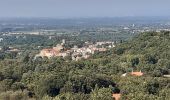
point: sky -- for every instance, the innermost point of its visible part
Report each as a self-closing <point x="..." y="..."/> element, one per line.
<point x="83" y="8"/>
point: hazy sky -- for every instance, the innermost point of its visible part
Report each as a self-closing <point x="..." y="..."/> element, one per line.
<point x="83" y="8"/>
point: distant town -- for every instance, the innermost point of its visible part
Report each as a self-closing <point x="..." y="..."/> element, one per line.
<point x="76" y="53"/>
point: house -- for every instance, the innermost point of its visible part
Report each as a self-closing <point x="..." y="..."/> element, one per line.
<point x="116" y="96"/>
<point x="167" y="76"/>
<point x="123" y="75"/>
<point x="102" y="49"/>
<point x="136" y="73"/>
<point x="13" y="50"/>
<point x="1" y="39"/>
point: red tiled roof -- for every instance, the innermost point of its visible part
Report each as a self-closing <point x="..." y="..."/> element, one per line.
<point x="116" y="96"/>
<point x="137" y="73"/>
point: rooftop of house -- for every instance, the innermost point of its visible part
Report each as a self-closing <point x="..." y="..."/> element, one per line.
<point x="116" y="96"/>
<point x="168" y="76"/>
<point x="137" y="73"/>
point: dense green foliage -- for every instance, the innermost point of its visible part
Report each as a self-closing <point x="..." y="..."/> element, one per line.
<point x="93" y="79"/>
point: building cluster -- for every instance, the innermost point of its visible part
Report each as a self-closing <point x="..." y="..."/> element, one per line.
<point x="76" y="53"/>
<point x="53" y="52"/>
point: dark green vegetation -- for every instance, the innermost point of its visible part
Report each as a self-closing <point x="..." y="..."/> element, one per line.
<point x="93" y="79"/>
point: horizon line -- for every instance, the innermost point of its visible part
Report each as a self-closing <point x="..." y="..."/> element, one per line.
<point x="90" y="17"/>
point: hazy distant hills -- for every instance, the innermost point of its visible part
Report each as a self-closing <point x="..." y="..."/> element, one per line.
<point x="90" y="21"/>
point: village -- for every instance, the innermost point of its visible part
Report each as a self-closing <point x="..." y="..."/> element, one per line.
<point x="76" y="53"/>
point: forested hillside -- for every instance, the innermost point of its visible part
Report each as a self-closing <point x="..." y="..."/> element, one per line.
<point x="96" y="78"/>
